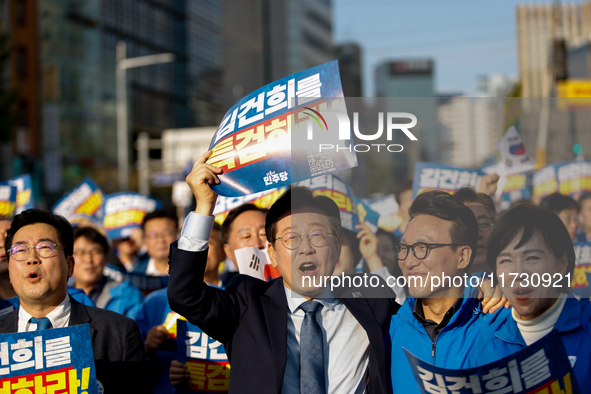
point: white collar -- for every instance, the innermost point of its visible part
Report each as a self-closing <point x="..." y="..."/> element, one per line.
<point x="59" y="317"/>
<point x="545" y="321"/>
<point x="151" y="269"/>
<point x="294" y="300"/>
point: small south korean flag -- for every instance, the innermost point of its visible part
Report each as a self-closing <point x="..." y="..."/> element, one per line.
<point x="514" y="158"/>
<point x="251" y="261"/>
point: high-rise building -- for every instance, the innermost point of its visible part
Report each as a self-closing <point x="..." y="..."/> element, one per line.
<point x="410" y="85"/>
<point x="65" y="60"/>
<point x="265" y="40"/>
<point x="471" y="126"/>
<point x="349" y="57"/>
<point x="536" y="31"/>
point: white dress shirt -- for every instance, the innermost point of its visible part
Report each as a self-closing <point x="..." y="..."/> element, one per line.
<point x="59" y="317"/>
<point x="346" y="345"/>
<point x="346" y="349"/>
<point x="151" y="269"/>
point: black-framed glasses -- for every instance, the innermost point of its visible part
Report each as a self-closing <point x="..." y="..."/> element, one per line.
<point x="420" y="249"/>
<point x="292" y="240"/>
<point x="44" y="249"/>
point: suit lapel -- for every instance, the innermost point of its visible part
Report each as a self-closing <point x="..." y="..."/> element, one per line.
<point x="9" y="323"/>
<point x="275" y="309"/>
<point x="79" y="315"/>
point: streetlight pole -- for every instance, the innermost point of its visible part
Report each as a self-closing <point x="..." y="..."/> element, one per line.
<point x="123" y="63"/>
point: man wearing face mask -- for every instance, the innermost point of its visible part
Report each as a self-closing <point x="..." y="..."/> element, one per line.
<point x="287" y="335"/>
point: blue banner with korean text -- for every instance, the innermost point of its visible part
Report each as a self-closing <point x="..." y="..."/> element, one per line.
<point x="352" y="209"/>
<point x="125" y="211"/>
<point x="82" y="204"/>
<point x="205" y="358"/>
<point x="48" y="361"/>
<point x="580" y="282"/>
<point x="542" y="367"/>
<point x="544" y="182"/>
<point x="431" y="176"/>
<point x="24" y="196"/>
<point x="574" y="178"/>
<point x="8" y="194"/>
<point x="253" y="144"/>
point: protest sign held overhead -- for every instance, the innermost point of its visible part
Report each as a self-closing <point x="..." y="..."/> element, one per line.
<point x="264" y="199"/>
<point x="24" y="197"/>
<point x="125" y="211"/>
<point x="352" y="210"/>
<point x="8" y="195"/>
<point x="544" y="182"/>
<point x="574" y="178"/>
<point x="253" y="144"/>
<point x="542" y="367"/>
<point x="205" y="358"/>
<point x="431" y="176"/>
<point x="514" y="158"/>
<point x="47" y="361"/>
<point x="82" y="203"/>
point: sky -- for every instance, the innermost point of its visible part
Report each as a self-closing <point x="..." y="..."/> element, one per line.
<point x="465" y="38"/>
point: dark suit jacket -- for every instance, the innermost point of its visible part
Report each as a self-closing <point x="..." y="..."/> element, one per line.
<point x="250" y="318"/>
<point x="119" y="353"/>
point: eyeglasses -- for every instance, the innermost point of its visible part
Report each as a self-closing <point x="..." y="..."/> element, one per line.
<point x="485" y="223"/>
<point x="165" y="235"/>
<point x="292" y="240"/>
<point x="44" y="249"/>
<point x="420" y="249"/>
<point x="92" y="253"/>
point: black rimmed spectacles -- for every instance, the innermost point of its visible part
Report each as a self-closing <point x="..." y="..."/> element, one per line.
<point x="420" y="249"/>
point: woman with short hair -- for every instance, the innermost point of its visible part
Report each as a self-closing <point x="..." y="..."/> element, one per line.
<point x="533" y="246"/>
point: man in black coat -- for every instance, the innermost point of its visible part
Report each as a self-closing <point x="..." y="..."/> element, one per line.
<point x="276" y="338"/>
<point x="40" y="249"/>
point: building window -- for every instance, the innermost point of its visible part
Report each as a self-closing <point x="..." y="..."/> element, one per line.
<point x="21" y="62"/>
<point x="21" y="12"/>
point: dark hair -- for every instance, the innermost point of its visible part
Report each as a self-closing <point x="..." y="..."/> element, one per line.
<point x="217" y="227"/>
<point x="464" y="229"/>
<point x="529" y="219"/>
<point x="33" y="216"/>
<point x="467" y="195"/>
<point x="234" y="213"/>
<point x="161" y="213"/>
<point x="92" y="235"/>
<point x="584" y="197"/>
<point x="557" y="203"/>
<point x="300" y="196"/>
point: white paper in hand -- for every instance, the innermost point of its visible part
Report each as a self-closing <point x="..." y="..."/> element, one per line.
<point x="514" y="158"/>
<point x="251" y="261"/>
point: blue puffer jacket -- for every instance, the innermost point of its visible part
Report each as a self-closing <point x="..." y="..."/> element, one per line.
<point x="120" y="297"/>
<point x="451" y="348"/>
<point x="574" y="325"/>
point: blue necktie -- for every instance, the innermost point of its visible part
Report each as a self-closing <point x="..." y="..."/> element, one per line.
<point x="311" y="351"/>
<point x="42" y="324"/>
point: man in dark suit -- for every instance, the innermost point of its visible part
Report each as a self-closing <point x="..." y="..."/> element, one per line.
<point x="289" y="335"/>
<point x="40" y="247"/>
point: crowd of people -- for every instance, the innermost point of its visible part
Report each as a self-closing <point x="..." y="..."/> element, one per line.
<point x="285" y="334"/>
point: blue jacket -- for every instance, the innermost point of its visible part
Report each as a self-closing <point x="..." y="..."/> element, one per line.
<point x="122" y="298"/>
<point x="574" y="325"/>
<point x="451" y="348"/>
